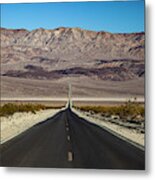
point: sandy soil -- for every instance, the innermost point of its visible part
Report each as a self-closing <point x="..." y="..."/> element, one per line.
<point x="82" y="87"/>
<point x="129" y="135"/>
<point x="15" y="124"/>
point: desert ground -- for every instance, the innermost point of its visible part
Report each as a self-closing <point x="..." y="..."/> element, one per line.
<point x="12" y="87"/>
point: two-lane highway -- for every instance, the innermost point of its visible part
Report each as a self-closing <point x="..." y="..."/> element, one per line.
<point x="67" y="141"/>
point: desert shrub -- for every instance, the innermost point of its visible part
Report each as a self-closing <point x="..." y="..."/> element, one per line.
<point x="11" y="108"/>
<point x="131" y="109"/>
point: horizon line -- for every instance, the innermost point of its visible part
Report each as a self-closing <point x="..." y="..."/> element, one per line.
<point x="67" y="27"/>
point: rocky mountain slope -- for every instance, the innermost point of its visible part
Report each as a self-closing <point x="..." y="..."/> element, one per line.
<point x="41" y="63"/>
<point x="71" y="52"/>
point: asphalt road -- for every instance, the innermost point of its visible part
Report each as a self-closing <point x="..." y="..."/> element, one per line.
<point x="67" y="141"/>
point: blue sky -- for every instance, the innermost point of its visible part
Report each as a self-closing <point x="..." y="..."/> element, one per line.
<point x="114" y="17"/>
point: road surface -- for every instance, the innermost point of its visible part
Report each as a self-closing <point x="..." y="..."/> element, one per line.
<point x="67" y="141"/>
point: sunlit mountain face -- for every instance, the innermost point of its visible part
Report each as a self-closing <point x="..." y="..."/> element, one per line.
<point x="72" y="53"/>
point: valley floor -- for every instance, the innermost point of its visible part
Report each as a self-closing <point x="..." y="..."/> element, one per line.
<point x="82" y="87"/>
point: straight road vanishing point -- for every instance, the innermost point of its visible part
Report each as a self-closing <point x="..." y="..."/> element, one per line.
<point x="68" y="141"/>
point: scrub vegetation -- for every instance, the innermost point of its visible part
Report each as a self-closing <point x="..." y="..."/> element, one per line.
<point x="129" y="109"/>
<point x="11" y="108"/>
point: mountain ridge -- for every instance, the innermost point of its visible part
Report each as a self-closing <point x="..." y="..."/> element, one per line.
<point x="62" y="27"/>
<point x="49" y="53"/>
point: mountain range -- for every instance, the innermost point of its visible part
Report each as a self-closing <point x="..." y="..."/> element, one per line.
<point x="67" y="54"/>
